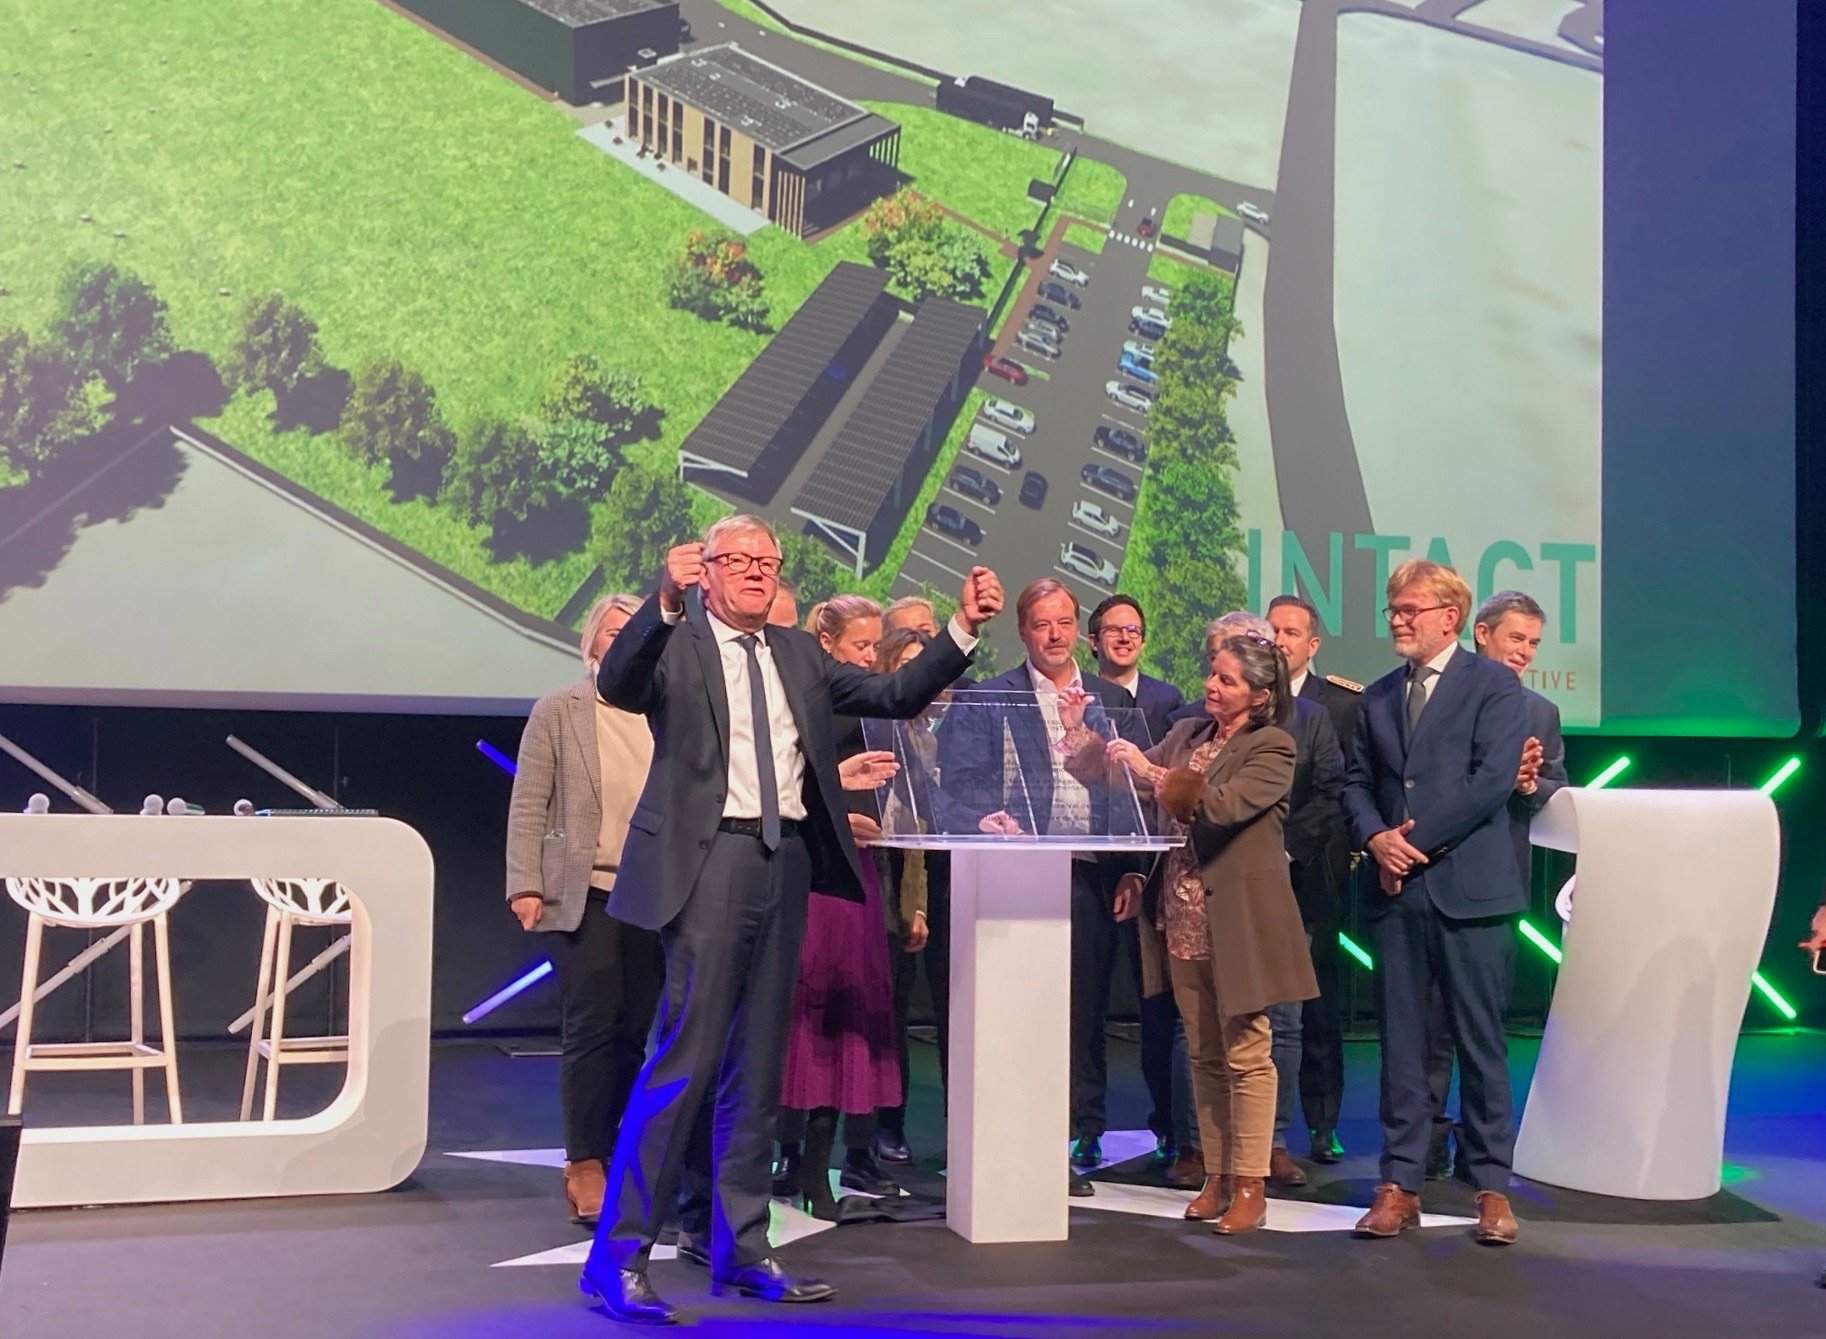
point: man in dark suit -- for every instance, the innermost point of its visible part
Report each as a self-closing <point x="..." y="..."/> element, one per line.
<point x="1439" y="746"/>
<point x="1118" y="635"/>
<point x="1016" y="718"/>
<point x="742" y="813"/>
<point x="1507" y="629"/>
<point x="1295" y="621"/>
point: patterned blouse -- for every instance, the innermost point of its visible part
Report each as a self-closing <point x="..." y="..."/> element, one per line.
<point x="1182" y="904"/>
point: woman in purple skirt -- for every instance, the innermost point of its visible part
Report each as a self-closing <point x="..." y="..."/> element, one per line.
<point x="840" y="1049"/>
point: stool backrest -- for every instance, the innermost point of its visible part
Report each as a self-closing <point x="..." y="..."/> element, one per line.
<point x="322" y="900"/>
<point x="85" y="903"/>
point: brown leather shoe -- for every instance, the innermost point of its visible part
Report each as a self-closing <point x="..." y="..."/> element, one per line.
<point x="1247" y="1211"/>
<point x="1188" y="1172"/>
<point x="1496" y="1225"/>
<point x="584" y="1186"/>
<point x="1394" y="1212"/>
<point x="1212" y="1199"/>
<point x="1284" y="1171"/>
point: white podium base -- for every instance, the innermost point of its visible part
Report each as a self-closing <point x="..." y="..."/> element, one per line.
<point x="1010" y="1061"/>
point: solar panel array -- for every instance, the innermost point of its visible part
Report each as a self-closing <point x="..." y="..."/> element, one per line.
<point x="862" y="464"/>
<point x="770" y="106"/>
<point x="745" y="422"/>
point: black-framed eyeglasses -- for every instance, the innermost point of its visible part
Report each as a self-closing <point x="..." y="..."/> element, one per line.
<point x="739" y="563"/>
<point x="1407" y="613"/>
<point x="1117" y="630"/>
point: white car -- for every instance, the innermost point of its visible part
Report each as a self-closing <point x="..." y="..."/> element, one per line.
<point x="1035" y="342"/>
<point x="1070" y="273"/>
<point x="1157" y="295"/>
<point x="1092" y="517"/>
<point x="1154" y="314"/>
<point x="1139" y="348"/>
<point x="1007" y="415"/>
<point x="1129" y="397"/>
<point x="1087" y="562"/>
<point x="1254" y="213"/>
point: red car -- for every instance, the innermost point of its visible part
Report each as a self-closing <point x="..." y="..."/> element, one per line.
<point x="1147" y="226"/>
<point x="1005" y="368"/>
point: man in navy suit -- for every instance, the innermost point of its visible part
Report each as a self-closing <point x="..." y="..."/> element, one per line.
<point x="1507" y="629"/>
<point x="1438" y="750"/>
<point x="1014" y="718"/>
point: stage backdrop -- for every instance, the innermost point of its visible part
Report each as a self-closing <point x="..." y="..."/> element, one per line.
<point x="348" y="350"/>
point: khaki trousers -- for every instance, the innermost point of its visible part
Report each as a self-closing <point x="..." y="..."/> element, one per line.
<point x="1233" y="1078"/>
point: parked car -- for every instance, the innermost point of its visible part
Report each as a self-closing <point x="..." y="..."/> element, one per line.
<point x="1148" y="226"/>
<point x="1129" y="397"/>
<point x="1092" y="517"/>
<point x="1033" y="489"/>
<point x="1253" y="212"/>
<point x="1005" y="368"/>
<point x="1154" y="314"/>
<point x="1007" y="415"/>
<point x="1054" y="291"/>
<point x="948" y="520"/>
<point x="1142" y="368"/>
<point x="973" y="483"/>
<point x="1051" y="316"/>
<point x="1035" y="339"/>
<point x="1147" y="329"/>
<point x="1121" y="442"/>
<point x="1064" y="269"/>
<point x="1087" y="562"/>
<point x="1109" y="479"/>
<point x="1156" y="295"/>
<point x="986" y="442"/>
<point x="1140" y="348"/>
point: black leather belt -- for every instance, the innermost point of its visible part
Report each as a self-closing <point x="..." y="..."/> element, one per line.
<point x="751" y="827"/>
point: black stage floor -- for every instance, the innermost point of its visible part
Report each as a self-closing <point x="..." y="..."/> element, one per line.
<point x="421" y="1262"/>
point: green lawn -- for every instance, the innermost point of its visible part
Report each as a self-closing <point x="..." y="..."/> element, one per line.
<point x="1092" y="191"/>
<point x="1177" y="221"/>
<point x="1086" y="237"/>
<point x="1166" y="268"/>
<point x="980" y="172"/>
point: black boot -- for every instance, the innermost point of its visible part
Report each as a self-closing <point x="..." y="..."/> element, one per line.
<point x="815" y="1166"/>
<point x="786" y="1172"/>
<point x="861" y="1172"/>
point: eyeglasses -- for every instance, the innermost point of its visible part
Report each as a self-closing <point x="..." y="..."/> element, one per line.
<point x="739" y="563"/>
<point x="1117" y="630"/>
<point x="1407" y="613"/>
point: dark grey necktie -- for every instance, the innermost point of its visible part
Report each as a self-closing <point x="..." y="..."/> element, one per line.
<point x="1417" y="693"/>
<point x="763" y="747"/>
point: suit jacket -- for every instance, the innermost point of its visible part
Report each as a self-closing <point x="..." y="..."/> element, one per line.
<point x="555" y="814"/>
<point x="673" y="675"/>
<point x="1258" y="944"/>
<point x="1317" y="842"/>
<point x="1341" y="704"/>
<point x="1454" y="778"/>
<point x="1158" y="700"/>
<point x="1544" y="725"/>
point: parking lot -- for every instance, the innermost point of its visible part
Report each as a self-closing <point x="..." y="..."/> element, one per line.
<point x="1066" y="397"/>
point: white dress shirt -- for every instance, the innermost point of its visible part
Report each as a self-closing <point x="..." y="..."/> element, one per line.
<point x="1298" y="681"/>
<point x="1438" y="665"/>
<point x="1071" y="799"/>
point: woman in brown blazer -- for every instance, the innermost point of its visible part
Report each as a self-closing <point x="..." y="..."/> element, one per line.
<point x="1219" y="924"/>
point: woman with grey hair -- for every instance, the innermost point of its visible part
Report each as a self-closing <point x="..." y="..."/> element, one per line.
<point x="581" y="768"/>
<point x="1219" y="924"/>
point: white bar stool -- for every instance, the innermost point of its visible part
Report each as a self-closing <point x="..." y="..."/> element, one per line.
<point x="290" y="903"/>
<point x="101" y="904"/>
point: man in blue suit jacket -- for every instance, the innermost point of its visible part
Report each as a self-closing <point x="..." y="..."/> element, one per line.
<point x="1438" y="751"/>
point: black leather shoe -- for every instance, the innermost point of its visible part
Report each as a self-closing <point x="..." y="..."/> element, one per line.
<point x="1166" y="1150"/>
<point x="1080" y="1187"/>
<point x="892" y="1147"/>
<point x="768" y="1280"/>
<point x="786" y="1172"/>
<point x="693" y="1250"/>
<point x="862" y="1172"/>
<point x="1087" y="1151"/>
<point x="628" y="1296"/>
<point x="1326" y="1148"/>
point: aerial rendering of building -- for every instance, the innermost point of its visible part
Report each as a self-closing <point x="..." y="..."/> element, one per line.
<point x="803" y="157"/>
<point x="579" y="49"/>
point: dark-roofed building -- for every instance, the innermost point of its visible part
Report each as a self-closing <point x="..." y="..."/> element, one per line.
<point x="579" y="49"/>
<point x="803" y="157"/>
<point x="873" y="469"/>
<point x="751" y="439"/>
<point x="1219" y="239"/>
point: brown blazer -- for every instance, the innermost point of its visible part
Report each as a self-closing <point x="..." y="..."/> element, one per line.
<point x="1258" y="942"/>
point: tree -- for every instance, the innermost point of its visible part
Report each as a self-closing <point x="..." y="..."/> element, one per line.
<point x="924" y="253"/>
<point x="45" y="403"/>
<point x="1192" y="536"/>
<point x="808" y="565"/>
<point x="585" y="390"/>
<point x="277" y="347"/>
<point x="111" y="321"/>
<point x="647" y="512"/>
<point x="714" y="277"/>
<point x="576" y="459"/>
<point x="494" y="479"/>
<point x="392" y="416"/>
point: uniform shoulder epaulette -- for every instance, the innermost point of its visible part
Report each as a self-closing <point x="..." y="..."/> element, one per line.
<point x="1349" y="685"/>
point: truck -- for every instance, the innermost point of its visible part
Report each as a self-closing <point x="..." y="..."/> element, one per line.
<point x="993" y="104"/>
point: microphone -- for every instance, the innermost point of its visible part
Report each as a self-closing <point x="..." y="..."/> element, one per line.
<point x="243" y="808"/>
<point x="40" y="803"/>
<point x="177" y="806"/>
<point x="153" y="804"/>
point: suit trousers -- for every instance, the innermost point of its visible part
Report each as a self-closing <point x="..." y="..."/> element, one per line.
<point x="1232" y="1073"/>
<point x="1288" y="1026"/>
<point x="732" y="960"/>
<point x="1322" y="1035"/>
<point x="1165" y="1068"/>
<point x="1472" y="962"/>
<point x="1096" y="938"/>
<point x="609" y="975"/>
<point x="935" y="958"/>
